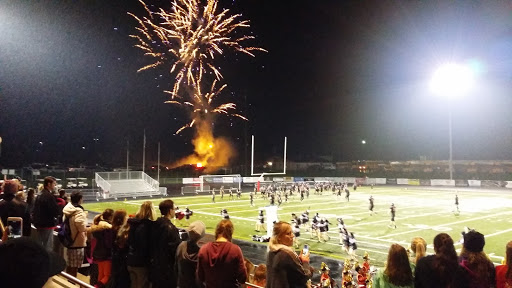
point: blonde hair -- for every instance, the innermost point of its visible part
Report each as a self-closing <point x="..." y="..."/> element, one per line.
<point x="146" y="211"/>
<point x="279" y="231"/>
<point x="419" y="248"/>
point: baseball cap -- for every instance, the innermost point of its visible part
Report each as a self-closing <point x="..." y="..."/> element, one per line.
<point x="26" y="263"/>
<point x="196" y="230"/>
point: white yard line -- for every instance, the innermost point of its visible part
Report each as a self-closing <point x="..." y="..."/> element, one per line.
<point x="448" y="224"/>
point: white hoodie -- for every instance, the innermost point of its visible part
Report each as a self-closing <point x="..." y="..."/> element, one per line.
<point x="78" y="222"/>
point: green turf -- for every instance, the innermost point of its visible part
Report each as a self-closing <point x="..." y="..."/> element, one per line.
<point x="420" y="212"/>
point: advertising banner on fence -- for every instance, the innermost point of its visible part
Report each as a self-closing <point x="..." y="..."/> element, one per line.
<point x="494" y="183"/>
<point x="250" y="179"/>
<point x="391" y="181"/>
<point x="309" y="179"/>
<point x="288" y="179"/>
<point x="369" y="181"/>
<point x="278" y="179"/>
<point x="461" y="183"/>
<point x="191" y="181"/>
<point x="442" y="182"/>
<point x="380" y="181"/>
<point x="226" y="179"/>
<point x="298" y="179"/>
<point x="414" y="182"/>
<point x="425" y="182"/>
<point x="509" y="184"/>
<point x="402" y="181"/>
<point x="474" y="183"/>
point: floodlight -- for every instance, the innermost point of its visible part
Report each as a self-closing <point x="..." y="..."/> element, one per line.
<point x="452" y="80"/>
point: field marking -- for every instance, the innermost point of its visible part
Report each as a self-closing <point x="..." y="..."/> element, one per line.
<point x="449" y="224"/>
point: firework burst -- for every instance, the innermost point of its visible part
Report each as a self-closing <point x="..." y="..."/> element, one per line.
<point x="192" y="34"/>
<point x="187" y="39"/>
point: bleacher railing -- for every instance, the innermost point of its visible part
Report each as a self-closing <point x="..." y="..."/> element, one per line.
<point x="151" y="181"/>
<point x="102" y="183"/>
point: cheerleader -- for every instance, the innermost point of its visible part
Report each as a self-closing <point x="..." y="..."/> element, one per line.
<point x="224" y="214"/>
<point x="296" y="233"/>
<point x="260" y="222"/>
<point x="188" y="213"/>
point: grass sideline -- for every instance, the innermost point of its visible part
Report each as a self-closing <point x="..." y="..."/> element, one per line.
<point x="420" y="211"/>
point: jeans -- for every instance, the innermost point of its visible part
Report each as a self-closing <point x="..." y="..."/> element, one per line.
<point x="45" y="237"/>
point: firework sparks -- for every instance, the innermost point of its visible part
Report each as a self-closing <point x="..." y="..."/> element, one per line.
<point x="187" y="39"/>
<point x="193" y="35"/>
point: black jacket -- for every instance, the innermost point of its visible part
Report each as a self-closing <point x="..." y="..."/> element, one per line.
<point x="139" y="242"/>
<point x="165" y="239"/>
<point x="10" y="207"/>
<point x="46" y="210"/>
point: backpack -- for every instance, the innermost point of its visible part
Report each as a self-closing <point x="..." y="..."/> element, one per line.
<point x="64" y="234"/>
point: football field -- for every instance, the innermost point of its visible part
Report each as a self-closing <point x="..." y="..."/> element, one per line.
<point x="420" y="211"/>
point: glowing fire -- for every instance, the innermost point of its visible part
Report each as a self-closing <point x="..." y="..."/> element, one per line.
<point x="209" y="152"/>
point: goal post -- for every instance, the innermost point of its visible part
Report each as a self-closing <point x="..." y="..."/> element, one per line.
<point x="206" y="181"/>
<point x="260" y="179"/>
<point x="270" y="173"/>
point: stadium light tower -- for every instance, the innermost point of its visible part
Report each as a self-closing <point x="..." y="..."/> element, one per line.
<point x="451" y="81"/>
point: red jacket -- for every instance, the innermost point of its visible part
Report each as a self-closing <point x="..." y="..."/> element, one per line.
<point x="221" y="264"/>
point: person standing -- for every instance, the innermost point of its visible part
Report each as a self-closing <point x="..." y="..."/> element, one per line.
<point x="441" y="269"/>
<point x="221" y="263"/>
<point x="284" y="268"/>
<point x="12" y="207"/>
<point x="101" y="230"/>
<point x="46" y="212"/>
<point x="251" y="198"/>
<point x="504" y="272"/>
<point x="371" y="205"/>
<point x="186" y="256"/>
<point x="392" y="212"/>
<point x="260" y="222"/>
<point x="165" y="239"/>
<point x="139" y="246"/>
<point x="213" y="195"/>
<point x="77" y="217"/>
<point x="397" y="273"/>
<point x="457" y="204"/>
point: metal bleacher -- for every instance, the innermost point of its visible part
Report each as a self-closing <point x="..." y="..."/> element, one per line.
<point x="114" y="185"/>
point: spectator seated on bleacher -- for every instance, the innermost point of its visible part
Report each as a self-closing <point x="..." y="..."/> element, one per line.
<point x="25" y="263"/>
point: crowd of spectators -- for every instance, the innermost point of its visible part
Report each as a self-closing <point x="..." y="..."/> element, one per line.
<point x="148" y="251"/>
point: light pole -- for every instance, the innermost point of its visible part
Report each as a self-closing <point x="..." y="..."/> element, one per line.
<point x="451" y="81"/>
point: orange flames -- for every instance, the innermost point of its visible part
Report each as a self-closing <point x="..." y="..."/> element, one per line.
<point x="209" y="152"/>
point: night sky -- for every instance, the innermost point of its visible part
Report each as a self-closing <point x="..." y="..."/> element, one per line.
<point x="336" y="72"/>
